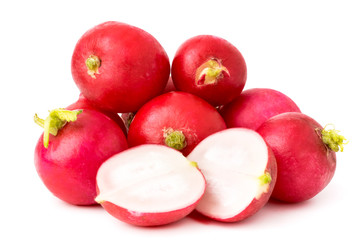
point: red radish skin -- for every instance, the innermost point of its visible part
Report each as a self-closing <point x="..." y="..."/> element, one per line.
<point x="254" y="106"/>
<point x="119" y="67"/>
<point x="149" y="185"/>
<point x="236" y="163"/>
<point x="306" y="164"/>
<point x="68" y="165"/>
<point x="83" y="103"/>
<point x="209" y="67"/>
<point x="147" y="219"/>
<point x="176" y="119"/>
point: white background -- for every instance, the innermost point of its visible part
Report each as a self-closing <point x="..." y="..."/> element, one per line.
<point x="309" y="50"/>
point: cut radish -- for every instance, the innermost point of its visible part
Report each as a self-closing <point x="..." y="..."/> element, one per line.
<point x="240" y="171"/>
<point x="149" y="185"/>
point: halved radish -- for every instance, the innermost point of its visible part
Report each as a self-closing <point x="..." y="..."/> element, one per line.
<point x="240" y="171"/>
<point x="149" y="185"/>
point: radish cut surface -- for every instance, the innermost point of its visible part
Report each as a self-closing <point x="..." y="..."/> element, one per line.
<point x="150" y="179"/>
<point x="234" y="162"/>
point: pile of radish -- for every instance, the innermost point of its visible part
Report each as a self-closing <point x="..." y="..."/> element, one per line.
<point x="151" y="148"/>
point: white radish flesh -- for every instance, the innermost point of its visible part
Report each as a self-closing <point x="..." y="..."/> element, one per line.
<point x="235" y="164"/>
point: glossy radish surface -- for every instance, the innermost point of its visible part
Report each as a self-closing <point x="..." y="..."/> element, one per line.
<point x="176" y="119"/>
<point x="209" y="67"/>
<point x="83" y="103"/>
<point x="149" y="185"/>
<point x="119" y="67"/>
<point x="72" y="148"/>
<point x="305" y="154"/>
<point x="254" y="106"/>
<point x="240" y="171"/>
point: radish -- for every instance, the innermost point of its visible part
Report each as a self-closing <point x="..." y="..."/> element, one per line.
<point x="254" y="106"/>
<point x="149" y="185"/>
<point x="176" y="119"/>
<point x="209" y="67"/>
<point x="72" y="148"/>
<point x="305" y="154"/>
<point x="119" y="67"/>
<point x="83" y="103"/>
<point x="240" y="171"/>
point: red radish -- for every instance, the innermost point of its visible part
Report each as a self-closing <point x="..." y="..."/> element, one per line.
<point x="305" y="154"/>
<point x="83" y="103"/>
<point x="209" y="67"/>
<point x="240" y="171"/>
<point x="149" y="185"/>
<point x="176" y="119"/>
<point x="119" y="67"/>
<point x="72" y="148"/>
<point x="254" y="106"/>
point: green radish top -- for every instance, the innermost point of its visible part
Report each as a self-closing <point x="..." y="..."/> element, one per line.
<point x="194" y="164"/>
<point x="264" y="184"/>
<point x="210" y="71"/>
<point x="265" y="179"/>
<point x="93" y="63"/>
<point x="55" y="121"/>
<point x="174" y="139"/>
<point x="333" y="139"/>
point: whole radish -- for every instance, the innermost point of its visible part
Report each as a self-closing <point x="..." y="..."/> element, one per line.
<point x="119" y="67"/>
<point x="176" y="119"/>
<point x="209" y="67"/>
<point x="83" y="103"/>
<point x="149" y="185"/>
<point x="240" y="171"/>
<point x="305" y="155"/>
<point x="72" y="148"/>
<point x="254" y="106"/>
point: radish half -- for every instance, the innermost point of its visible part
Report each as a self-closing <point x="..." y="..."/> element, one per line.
<point x="240" y="171"/>
<point x="149" y="185"/>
